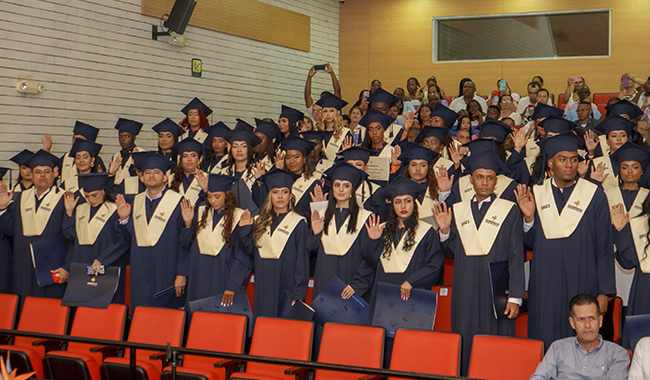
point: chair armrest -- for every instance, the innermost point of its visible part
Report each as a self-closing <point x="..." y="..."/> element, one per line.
<point x="158" y="356"/>
<point x="229" y="365"/>
<point x="371" y="377"/>
<point x="107" y="351"/>
<point x="48" y="344"/>
<point x="298" y="372"/>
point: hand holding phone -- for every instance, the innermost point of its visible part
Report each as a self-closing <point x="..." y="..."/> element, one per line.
<point x="319" y="67"/>
<point x="625" y="80"/>
<point x="502" y="84"/>
<point x="366" y="95"/>
<point x="575" y="79"/>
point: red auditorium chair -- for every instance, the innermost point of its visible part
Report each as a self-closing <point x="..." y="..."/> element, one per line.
<point x="150" y="325"/>
<point x="521" y="325"/>
<point x="430" y="352"/>
<point x="488" y="353"/>
<point x="603" y="98"/>
<point x="41" y="315"/>
<point x="615" y="312"/>
<point x="212" y="332"/>
<point x="8" y="311"/>
<point x="448" y="272"/>
<point x="77" y="361"/>
<point x="277" y="338"/>
<point x="443" y="311"/>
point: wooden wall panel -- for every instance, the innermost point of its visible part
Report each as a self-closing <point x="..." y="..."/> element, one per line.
<point x="245" y="18"/>
<point x="400" y="46"/>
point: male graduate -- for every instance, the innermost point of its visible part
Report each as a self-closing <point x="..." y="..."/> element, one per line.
<point x="34" y="215"/>
<point x="127" y="132"/>
<point x="6" y="256"/>
<point x="482" y="230"/>
<point x="154" y="224"/>
<point x="567" y="223"/>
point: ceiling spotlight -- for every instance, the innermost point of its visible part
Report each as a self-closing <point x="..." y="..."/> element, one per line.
<point x="176" y="40"/>
<point x="29" y="87"/>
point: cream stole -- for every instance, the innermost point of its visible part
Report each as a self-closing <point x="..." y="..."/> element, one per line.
<point x="122" y="171"/>
<point x="334" y="145"/>
<point x="193" y="191"/>
<point x="211" y="240"/>
<point x="639" y="227"/>
<point x="338" y="243"/>
<point x="301" y="186"/>
<point x="322" y="166"/>
<point x="363" y="193"/>
<point x="17" y="188"/>
<point x="400" y="259"/>
<point x="71" y="184"/>
<point x="532" y="151"/>
<point x="248" y="180"/>
<point x="425" y="212"/>
<point x="554" y="224"/>
<point x="148" y="234"/>
<point x="34" y="221"/>
<point x="442" y="163"/>
<point x="611" y="181"/>
<point x="68" y="168"/>
<point x="87" y="231"/>
<point x="200" y="136"/>
<point x="604" y="147"/>
<point x="466" y="189"/>
<point x="268" y="164"/>
<point x="217" y="168"/>
<point x="615" y="197"/>
<point x="479" y="242"/>
<point x="132" y="185"/>
<point x="271" y="246"/>
<point x="394" y="129"/>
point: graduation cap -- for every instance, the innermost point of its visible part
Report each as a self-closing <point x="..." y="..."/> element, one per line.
<point x="382" y="96"/>
<point x="447" y="115"/>
<point x="138" y="158"/>
<point x="631" y="152"/>
<point x="417" y="152"/>
<point x="544" y="110"/>
<point x="614" y="122"/>
<point x="188" y="145"/>
<point x="357" y="153"/>
<point x="556" y="124"/>
<point x="3" y="171"/>
<point x="218" y="130"/>
<point x="81" y="145"/>
<point x="624" y="107"/>
<point x="243" y="134"/>
<point x="168" y="125"/>
<point x="329" y="100"/>
<point x="291" y="114"/>
<point x="128" y="126"/>
<point x="487" y="159"/>
<point x="404" y="186"/>
<point x="268" y="128"/>
<point x="375" y="116"/>
<point x="22" y="157"/>
<point x="278" y="178"/>
<point x="428" y="131"/>
<point x="242" y="125"/>
<point x="155" y="161"/>
<point x="220" y="182"/>
<point x="482" y="144"/>
<point x="293" y="142"/>
<point x="43" y="158"/>
<point x="317" y="135"/>
<point x="86" y="130"/>
<point x="564" y="142"/>
<point x="93" y="181"/>
<point x="346" y="172"/>
<point x="494" y="128"/>
<point x="196" y="104"/>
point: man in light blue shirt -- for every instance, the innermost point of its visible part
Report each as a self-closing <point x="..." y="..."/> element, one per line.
<point x="586" y="356"/>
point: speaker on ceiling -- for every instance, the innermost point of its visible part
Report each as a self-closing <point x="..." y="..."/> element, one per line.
<point x="180" y="15"/>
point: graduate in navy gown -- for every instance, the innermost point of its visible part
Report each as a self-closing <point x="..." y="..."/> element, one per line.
<point x="122" y="161"/>
<point x="36" y="214"/>
<point x="93" y="228"/>
<point x="6" y="256"/>
<point x="567" y="224"/>
<point x="276" y="240"/>
<point x="85" y="154"/>
<point x="216" y="147"/>
<point x="617" y="131"/>
<point x="154" y="223"/>
<point x="212" y="236"/>
<point x="480" y="231"/>
<point x="196" y="120"/>
<point x="81" y="131"/>
<point x="187" y="178"/>
<point x="270" y="135"/>
<point x="132" y="186"/>
<point x="24" y="180"/>
<point x="168" y="134"/>
<point x="365" y="193"/>
<point x="349" y="247"/>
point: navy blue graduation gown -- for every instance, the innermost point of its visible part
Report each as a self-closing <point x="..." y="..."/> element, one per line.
<point x="508" y="194"/>
<point x="6" y="265"/>
<point x="11" y="224"/>
<point x="274" y="277"/>
<point x="638" y="300"/>
<point x="471" y="299"/>
<point x="302" y="207"/>
<point x="517" y="167"/>
<point x="582" y="263"/>
<point x="111" y="248"/>
<point x="356" y="268"/>
<point x="154" y="269"/>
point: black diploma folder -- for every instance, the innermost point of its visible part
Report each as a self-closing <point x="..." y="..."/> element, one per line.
<point x="329" y="306"/>
<point x="638" y="326"/>
<point x="500" y="278"/>
<point x="167" y="298"/>
<point x="47" y="255"/>
<point x="88" y="290"/>
<point x="300" y="310"/>
<point x="392" y="313"/>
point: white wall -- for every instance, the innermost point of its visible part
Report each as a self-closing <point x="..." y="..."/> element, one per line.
<point x="98" y="62"/>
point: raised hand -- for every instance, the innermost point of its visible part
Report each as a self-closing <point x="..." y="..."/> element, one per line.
<point x="405" y="290"/>
<point x="187" y="211"/>
<point x="444" y="181"/>
<point x="591" y="141"/>
<point x="410" y="121"/>
<point x="123" y="207"/>
<point x="312" y="72"/>
<point x="202" y="179"/>
<point x="519" y="139"/>
<point x="328" y="68"/>
<point x="317" y="224"/>
<point x="69" y="202"/>
<point x="397" y="151"/>
<point x="279" y="160"/>
<point x="598" y="172"/>
<point x="246" y="219"/>
<point x="455" y="155"/>
<point x="317" y="195"/>
<point x="442" y="215"/>
<point x="583" y="167"/>
<point x="347" y="143"/>
<point x="47" y="142"/>
<point x="259" y="169"/>
<point x="619" y="216"/>
<point x="115" y="165"/>
<point x="526" y="202"/>
<point x="5" y="196"/>
<point x="374" y="227"/>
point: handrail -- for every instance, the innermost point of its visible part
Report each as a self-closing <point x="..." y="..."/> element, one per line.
<point x="226" y="355"/>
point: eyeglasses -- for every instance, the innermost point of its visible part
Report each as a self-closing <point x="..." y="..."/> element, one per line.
<point x="506" y="100"/>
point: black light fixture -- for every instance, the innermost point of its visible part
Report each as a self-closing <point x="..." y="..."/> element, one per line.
<point x="176" y="21"/>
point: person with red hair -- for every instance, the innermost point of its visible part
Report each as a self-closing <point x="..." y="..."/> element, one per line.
<point x="196" y="120"/>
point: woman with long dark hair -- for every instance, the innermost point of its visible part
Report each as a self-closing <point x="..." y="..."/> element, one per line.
<point x="85" y="153"/>
<point x="269" y="133"/>
<point x="617" y="131"/>
<point x="196" y="120"/>
<point x="187" y="178"/>
<point x="168" y="134"/>
<point x="215" y="147"/>
<point x="290" y="121"/>
<point x="241" y="163"/>
<point x="24" y="180"/>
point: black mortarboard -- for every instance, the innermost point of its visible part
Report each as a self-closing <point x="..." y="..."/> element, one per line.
<point x="155" y="161"/>
<point x="446" y="114"/>
<point x="43" y="158"/>
<point x="556" y="124"/>
<point x="544" y="110"/>
<point x="242" y="134"/>
<point x="21" y="158"/>
<point x="93" y="181"/>
<point x="3" y="171"/>
<point x="168" y="125"/>
<point x="487" y="159"/>
<point x="631" y="152"/>
<point x="329" y="100"/>
<point x="293" y="142"/>
<point x="346" y="172"/>
<point x="292" y="114"/>
<point x="220" y="182"/>
<point x="382" y="96"/>
<point x="480" y="144"/>
<point x="218" y="130"/>
<point x="277" y="178"/>
<point x="129" y="126"/>
<point x="138" y="158"/>
<point x="242" y="125"/>
<point x="428" y="131"/>
<point x="357" y="153"/>
<point x="404" y="186"/>
<point x="415" y="151"/>
<point x="624" y="107"/>
<point x="268" y="129"/>
<point x="494" y="128"/>
<point x="614" y="122"/>
<point x="375" y="116"/>
<point x="188" y="145"/>
<point x="86" y="130"/>
<point x="196" y="104"/>
<point x="81" y="145"/>
<point x="564" y="142"/>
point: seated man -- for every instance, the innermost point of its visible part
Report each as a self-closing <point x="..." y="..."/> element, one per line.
<point x="586" y="356"/>
<point x="584" y="95"/>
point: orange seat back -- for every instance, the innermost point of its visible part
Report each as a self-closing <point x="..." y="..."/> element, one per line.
<point x="603" y="98"/>
<point x="8" y="309"/>
<point x="99" y="324"/>
<point x="615" y="307"/>
<point x="443" y="310"/>
<point x="214" y="332"/>
<point x="430" y="352"/>
<point x="521" y="325"/>
<point x="354" y="345"/>
<point x="448" y="272"/>
<point x="488" y="353"/>
<point x="42" y="315"/>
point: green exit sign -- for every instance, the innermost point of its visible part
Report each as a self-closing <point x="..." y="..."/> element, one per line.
<point x="197" y="67"/>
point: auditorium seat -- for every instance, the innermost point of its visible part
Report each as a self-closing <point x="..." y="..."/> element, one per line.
<point x="448" y="272"/>
<point x="601" y="108"/>
<point x="443" y="311"/>
<point x="489" y="352"/>
<point x="150" y="325"/>
<point x="77" y="361"/>
<point x="521" y="325"/>
<point x="613" y="318"/>
<point x="41" y="315"/>
<point x="277" y="338"/>
<point x="8" y="311"/>
<point x="212" y="332"/>
<point x="603" y="98"/>
<point x="430" y="352"/>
